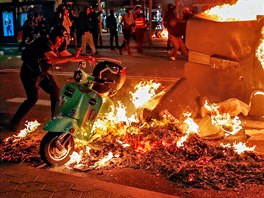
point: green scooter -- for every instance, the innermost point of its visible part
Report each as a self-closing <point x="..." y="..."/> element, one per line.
<point x="81" y="103"/>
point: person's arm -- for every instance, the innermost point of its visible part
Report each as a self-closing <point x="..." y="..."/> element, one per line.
<point x="100" y="11"/>
<point x="65" y="56"/>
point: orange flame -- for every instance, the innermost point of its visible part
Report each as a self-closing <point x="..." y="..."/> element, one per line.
<point x="230" y="126"/>
<point x="105" y="159"/>
<point x="30" y="127"/>
<point x="164" y="33"/>
<point x="242" y="10"/>
<point x="239" y="147"/>
<point x="188" y="127"/>
<point x="144" y="92"/>
<point x="260" y="49"/>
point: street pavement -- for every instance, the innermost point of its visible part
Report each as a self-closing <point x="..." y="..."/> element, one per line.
<point x="21" y="180"/>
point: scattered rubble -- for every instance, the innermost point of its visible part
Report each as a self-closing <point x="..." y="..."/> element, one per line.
<point x="198" y="163"/>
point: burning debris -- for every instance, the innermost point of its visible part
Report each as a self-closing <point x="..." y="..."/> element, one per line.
<point x="189" y="162"/>
<point x="166" y="147"/>
<point x="21" y="147"/>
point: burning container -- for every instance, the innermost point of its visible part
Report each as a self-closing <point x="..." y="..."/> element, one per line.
<point x="222" y="60"/>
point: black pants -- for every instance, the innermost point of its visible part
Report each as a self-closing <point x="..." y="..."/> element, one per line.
<point x="31" y="84"/>
<point x="140" y="33"/>
<point x="95" y="34"/>
<point x="168" y="45"/>
<point x="113" y="34"/>
<point x="127" y="35"/>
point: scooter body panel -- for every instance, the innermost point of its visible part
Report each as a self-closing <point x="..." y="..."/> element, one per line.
<point x="79" y="105"/>
<point x="63" y="124"/>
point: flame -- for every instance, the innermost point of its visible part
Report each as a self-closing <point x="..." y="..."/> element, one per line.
<point x="242" y="10"/>
<point x="182" y="140"/>
<point x="30" y="127"/>
<point x="230" y="126"/>
<point x="239" y="147"/>
<point x="75" y="158"/>
<point x="124" y="145"/>
<point x="188" y="127"/>
<point x="260" y="49"/>
<point x="105" y="159"/>
<point x="192" y="127"/>
<point x="164" y="33"/>
<point x="144" y="92"/>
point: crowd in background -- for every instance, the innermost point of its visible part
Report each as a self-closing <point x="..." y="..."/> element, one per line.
<point x="84" y="30"/>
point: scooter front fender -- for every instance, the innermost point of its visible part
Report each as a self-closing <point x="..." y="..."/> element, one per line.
<point x="63" y="124"/>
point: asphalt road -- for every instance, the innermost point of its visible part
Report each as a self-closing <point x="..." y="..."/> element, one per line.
<point x="154" y="65"/>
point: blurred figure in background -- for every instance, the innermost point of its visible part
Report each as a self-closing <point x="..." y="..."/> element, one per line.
<point x="74" y="28"/>
<point x="86" y="26"/>
<point x="169" y="15"/>
<point x="28" y="28"/>
<point x="112" y="26"/>
<point x="128" y="24"/>
<point x="67" y="23"/>
<point x="179" y="10"/>
<point x="140" y="27"/>
<point x="95" y="24"/>
<point x="175" y="34"/>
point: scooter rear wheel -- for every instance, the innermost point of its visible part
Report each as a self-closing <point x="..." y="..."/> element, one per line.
<point x="51" y="153"/>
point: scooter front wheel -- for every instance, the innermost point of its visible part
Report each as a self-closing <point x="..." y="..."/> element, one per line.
<point x="54" y="153"/>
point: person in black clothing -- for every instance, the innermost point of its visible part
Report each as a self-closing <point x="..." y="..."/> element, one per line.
<point x="86" y="29"/>
<point x="38" y="58"/>
<point x="169" y="15"/>
<point x="112" y="25"/>
<point x="28" y="29"/>
<point x="95" y="25"/>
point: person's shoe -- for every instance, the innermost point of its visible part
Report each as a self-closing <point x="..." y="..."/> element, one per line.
<point x="172" y="58"/>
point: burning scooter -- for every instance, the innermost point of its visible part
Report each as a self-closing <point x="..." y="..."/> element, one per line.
<point x="81" y="103"/>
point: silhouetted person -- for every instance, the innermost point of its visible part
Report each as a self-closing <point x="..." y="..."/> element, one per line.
<point x="169" y="15"/>
<point x="112" y="26"/>
<point x="38" y="58"/>
<point x="28" y="29"/>
<point x="140" y="27"/>
<point x="128" y="23"/>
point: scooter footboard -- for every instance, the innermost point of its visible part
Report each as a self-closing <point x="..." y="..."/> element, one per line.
<point x="63" y="124"/>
